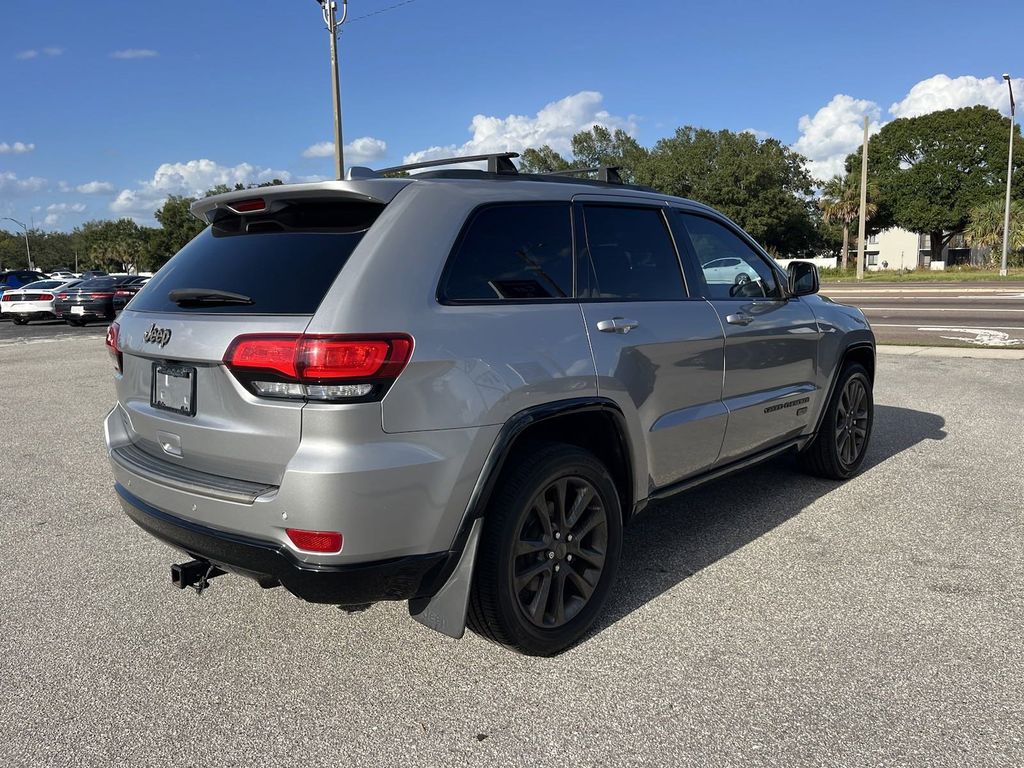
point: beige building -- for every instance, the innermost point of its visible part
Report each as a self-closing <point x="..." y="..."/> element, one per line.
<point x="900" y="249"/>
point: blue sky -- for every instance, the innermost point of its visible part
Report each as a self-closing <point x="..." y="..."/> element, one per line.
<point x="110" y="106"/>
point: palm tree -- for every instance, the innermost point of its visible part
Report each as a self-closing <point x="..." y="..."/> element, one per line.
<point x="986" y="226"/>
<point x="840" y="204"/>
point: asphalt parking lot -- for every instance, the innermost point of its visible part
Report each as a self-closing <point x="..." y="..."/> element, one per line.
<point x="768" y="619"/>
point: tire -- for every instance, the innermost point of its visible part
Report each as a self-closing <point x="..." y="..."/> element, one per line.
<point x="19" y="321"/>
<point x="838" y="451"/>
<point x="563" y="577"/>
<point x="75" y="323"/>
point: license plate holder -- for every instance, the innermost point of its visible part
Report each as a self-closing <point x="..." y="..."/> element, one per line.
<point x="78" y="310"/>
<point x="174" y="388"/>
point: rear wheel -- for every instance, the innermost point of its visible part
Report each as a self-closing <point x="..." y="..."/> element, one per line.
<point x="549" y="551"/>
<point x="19" y="320"/>
<point x="74" y="321"/>
<point x="838" y="450"/>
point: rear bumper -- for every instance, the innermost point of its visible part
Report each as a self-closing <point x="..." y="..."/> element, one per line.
<point x="271" y="564"/>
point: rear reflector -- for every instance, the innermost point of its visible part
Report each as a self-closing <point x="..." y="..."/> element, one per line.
<point x="114" y="347"/>
<point x="321" y="368"/>
<point x="325" y="542"/>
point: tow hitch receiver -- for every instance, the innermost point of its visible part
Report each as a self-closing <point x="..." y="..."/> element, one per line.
<point x="195" y="574"/>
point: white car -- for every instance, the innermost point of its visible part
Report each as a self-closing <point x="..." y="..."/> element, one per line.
<point x="33" y="301"/>
<point x="60" y="274"/>
<point x="729" y="270"/>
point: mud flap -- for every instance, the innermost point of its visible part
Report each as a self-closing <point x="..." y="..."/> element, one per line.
<point x="446" y="611"/>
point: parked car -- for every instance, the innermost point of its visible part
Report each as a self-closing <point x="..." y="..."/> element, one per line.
<point x="125" y="291"/>
<point x="91" y="273"/>
<point x="63" y="274"/>
<point x="33" y="301"/>
<point x="462" y="387"/>
<point x="90" y="300"/>
<point x="15" y="278"/>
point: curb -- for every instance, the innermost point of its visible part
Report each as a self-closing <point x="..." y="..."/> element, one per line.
<point x="990" y="354"/>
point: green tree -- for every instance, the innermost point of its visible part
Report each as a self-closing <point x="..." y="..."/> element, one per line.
<point x="177" y="227"/>
<point x="933" y="169"/>
<point x="985" y="227"/>
<point x="111" y="245"/>
<point x="599" y="146"/>
<point x="543" y="160"/>
<point x="840" y="204"/>
<point x="761" y="184"/>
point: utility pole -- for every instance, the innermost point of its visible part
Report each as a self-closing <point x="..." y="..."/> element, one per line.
<point x="863" y="202"/>
<point x="28" y="251"/>
<point x="329" y="10"/>
<point x="1009" y="176"/>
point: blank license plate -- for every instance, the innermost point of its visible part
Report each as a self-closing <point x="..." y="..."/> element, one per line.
<point x="78" y="310"/>
<point x="174" y="389"/>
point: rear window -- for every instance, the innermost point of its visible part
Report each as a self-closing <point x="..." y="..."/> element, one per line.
<point x="283" y="262"/>
<point x="97" y="282"/>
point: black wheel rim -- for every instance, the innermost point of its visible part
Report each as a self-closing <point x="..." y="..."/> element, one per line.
<point x="560" y="552"/>
<point x="852" y="422"/>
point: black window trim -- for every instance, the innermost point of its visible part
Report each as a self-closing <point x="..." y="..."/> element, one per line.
<point x="463" y="233"/>
<point x="691" y="254"/>
<point x="582" y="245"/>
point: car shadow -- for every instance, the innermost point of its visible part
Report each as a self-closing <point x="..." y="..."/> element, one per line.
<point x="678" y="537"/>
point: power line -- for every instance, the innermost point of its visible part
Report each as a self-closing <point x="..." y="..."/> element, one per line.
<point x="381" y="10"/>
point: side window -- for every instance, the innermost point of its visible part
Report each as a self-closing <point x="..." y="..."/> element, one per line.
<point x="512" y="252"/>
<point x="631" y="255"/>
<point x="732" y="269"/>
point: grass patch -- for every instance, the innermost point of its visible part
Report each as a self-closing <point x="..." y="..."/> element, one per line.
<point x="951" y="275"/>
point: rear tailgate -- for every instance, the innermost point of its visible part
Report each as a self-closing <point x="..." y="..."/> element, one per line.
<point x="182" y="404"/>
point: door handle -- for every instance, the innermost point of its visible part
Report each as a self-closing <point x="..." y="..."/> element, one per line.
<point x="739" y="319"/>
<point x="617" y="325"/>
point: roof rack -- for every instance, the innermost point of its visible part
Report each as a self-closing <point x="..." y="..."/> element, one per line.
<point x="498" y="162"/>
<point x="609" y="174"/>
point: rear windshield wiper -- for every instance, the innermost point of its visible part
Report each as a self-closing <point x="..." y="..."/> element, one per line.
<point x="182" y="296"/>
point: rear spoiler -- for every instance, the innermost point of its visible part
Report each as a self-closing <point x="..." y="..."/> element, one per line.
<point x="381" y="191"/>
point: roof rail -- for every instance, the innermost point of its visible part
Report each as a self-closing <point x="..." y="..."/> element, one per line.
<point x="498" y="162"/>
<point x="609" y="174"/>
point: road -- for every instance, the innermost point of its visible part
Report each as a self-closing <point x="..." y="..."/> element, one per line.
<point x="939" y="314"/>
<point x="769" y="619"/>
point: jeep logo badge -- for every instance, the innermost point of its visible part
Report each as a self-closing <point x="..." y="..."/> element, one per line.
<point x="157" y="335"/>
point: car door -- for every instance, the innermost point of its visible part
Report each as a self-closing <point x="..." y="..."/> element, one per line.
<point x="771" y="339"/>
<point x="658" y="349"/>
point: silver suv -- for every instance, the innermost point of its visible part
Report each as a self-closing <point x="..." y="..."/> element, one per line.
<point x="455" y="388"/>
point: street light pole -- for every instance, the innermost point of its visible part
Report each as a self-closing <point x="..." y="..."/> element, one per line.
<point x="1009" y="177"/>
<point x="329" y="9"/>
<point x="28" y="251"/>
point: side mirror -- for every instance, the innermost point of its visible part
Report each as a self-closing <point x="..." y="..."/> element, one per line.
<point x="803" y="278"/>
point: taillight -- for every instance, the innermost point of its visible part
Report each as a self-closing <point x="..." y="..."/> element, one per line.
<point x="45" y="297"/>
<point x="62" y="296"/>
<point x="100" y="295"/>
<point x="248" y="206"/>
<point x="122" y="293"/>
<point x="325" y="542"/>
<point x="321" y="368"/>
<point x="6" y="297"/>
<point x="114" y="348"/>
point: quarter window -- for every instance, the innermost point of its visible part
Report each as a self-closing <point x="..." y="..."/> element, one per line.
<point x="631" y="255"/>
<point x="732" y="269"/>
<point x="513" y="252"/>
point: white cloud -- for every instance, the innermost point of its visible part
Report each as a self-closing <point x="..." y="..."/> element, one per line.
<point x="553" y="125"/>
<point x="757" y="134"/>
<point x="362" y="150"/>
<point x="65" y="207"/>
<point x="189" y="179"/>
<point x="836" y="130"/>
<point x="17" y="148"/>
<point x="32" y="53"/>
<point x="944" y="92"/>
<point x="320" y="149"/>
<point x="11" y="184"/>
<point x="134" y="53"/>
<point x="95" y="187"/>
